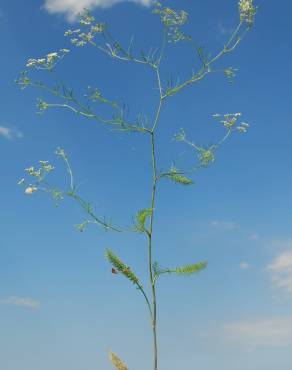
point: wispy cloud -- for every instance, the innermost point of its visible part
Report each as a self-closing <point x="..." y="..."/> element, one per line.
<point x="281" y="270"/>
<point x="71" y="8"/>
<point x="224" y="225"/>
<point x="245" y="265"/>
<point x="20" y="301"/>
<point x="266" y="332"/>
<point x="10" y="133"/>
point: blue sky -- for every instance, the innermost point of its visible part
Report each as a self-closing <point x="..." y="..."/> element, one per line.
<point x="60" y="306"/>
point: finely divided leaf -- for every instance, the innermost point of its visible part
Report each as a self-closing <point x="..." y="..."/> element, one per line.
<point x="190" y="269"/>
<point x="180" y="179"/>
<point x="141" y="219"/>
<point x="117" y="362"/>
<point x="121" y="267"/>
<point x="177" y="176"/>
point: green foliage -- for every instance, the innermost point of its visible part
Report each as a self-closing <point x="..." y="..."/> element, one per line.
<point x="185" y="270"/>
<point x="141" y="218"/>
<point x="117" y="362"/>
<point x="206" y="156"/>
<point x="116" y="117"/>
<point x="181" y="136"/>
<point x="38" y="181"/>
<point x="121" y="267"/>
<point x="176" y="176"/>
<point x="23" y="81"/>
<point x="190" y="269"/>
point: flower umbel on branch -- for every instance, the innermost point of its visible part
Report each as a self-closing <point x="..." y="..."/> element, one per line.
<point x="49" y="61"/>
<point x="247" y="11"/>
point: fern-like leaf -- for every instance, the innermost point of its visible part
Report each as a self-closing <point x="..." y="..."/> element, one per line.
<point x="177" y="177"/>
<point x="181" y="179"/>
<point x="121" y="267"/>
<point x="141" y="219"/>
<point x="117" y="362"/>
<point x="190" y="269"/>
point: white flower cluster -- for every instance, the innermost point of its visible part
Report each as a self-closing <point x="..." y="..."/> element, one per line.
<point x="247" y="11"/>
<point x="206" y="156"/>
<point x="49" y="61"/>
<point x="172" y="20"/>
<point x="229" y="120"/>
<point x="38" y="174"/>
<point x="79" y="38"/>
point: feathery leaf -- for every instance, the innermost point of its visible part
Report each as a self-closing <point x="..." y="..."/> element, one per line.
<point x="190" y="269"/>
<point x="121" y="267"/>
<point x="141" y="219"/>
<point x="182" y="270"/>
<point x="177" y="176"/>
<point x="117" y="362"/>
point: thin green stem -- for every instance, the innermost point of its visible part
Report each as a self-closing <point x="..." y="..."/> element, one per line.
<point x="69" y="169"/>
<point x="161" y="98"/>
<point x="206" y="68"/>
<point x="153" y="198"/>
<point x="146" y="299"/>
<point x="150" y="260"/>
<point x="88" y="210"/>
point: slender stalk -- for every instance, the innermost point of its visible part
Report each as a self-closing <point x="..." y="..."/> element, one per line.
<point x="150" y="233"/>
<point x="150" y="261"/>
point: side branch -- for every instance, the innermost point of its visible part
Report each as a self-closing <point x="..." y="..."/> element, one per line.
<point x="232" y="43"/>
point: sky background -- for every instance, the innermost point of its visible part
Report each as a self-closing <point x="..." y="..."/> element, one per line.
<point x="60" y="305"/>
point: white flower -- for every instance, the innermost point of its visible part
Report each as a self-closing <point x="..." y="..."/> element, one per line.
<point x="52" y="57"/>
<point x="247" y="11"/>
<point x="30" y="62"/>
<point x="30" y="190"/>
<point x="41" y="61"/>
<point x="245" y="5"/>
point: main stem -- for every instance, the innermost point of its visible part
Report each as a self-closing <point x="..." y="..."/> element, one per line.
<point x="152" y="281"/>
<point x="150" y="233"/>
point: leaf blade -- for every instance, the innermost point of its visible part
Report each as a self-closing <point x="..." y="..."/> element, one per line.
<point x="117" y="362"/>
<point x="141" y="219"/>
<point x="190" y="269"/>
<point x="121" y="267"/>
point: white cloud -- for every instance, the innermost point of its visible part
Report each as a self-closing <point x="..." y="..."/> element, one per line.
<point x="224" y="225"/>
<point x="281" y="270"/>
<point x="10" y="133"/>
<point x="20" y="301"/>
<point x="71" y="8"/>
<point x="282" y="263"/>
<point x="269" y="332"/>
<point x="245" y="266"/>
